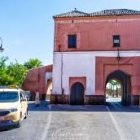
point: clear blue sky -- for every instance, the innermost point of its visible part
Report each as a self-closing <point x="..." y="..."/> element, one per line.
<point x="27" y="27"/>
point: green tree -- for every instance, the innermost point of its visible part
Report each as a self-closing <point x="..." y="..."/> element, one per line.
<point x="17" y="73"/>
<point x="2" y="61"/>
<point x="33" y="63"/>
<point x="4" y="78"/>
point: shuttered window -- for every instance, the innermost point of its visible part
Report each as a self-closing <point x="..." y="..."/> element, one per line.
<point x="71" y="41"/>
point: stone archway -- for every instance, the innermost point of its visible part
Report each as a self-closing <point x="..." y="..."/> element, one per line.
<point x="125" y="83"/>
<point x="77" y="94"/>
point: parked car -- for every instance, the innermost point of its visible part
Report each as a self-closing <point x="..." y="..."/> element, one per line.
<point x="28" y="95"/>
<point x="13" y="107"/>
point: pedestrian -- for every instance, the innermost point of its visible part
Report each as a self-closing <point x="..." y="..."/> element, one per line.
<point x="37" y="100"/>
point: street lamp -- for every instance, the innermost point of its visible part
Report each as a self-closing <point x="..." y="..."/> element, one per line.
<point x="118" y="55"/>
<point x="1" y="48"/>
<point x="116" y="44"/>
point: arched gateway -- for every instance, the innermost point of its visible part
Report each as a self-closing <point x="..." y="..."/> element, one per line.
<point x="77" y="94"/>
<point x="125" y="84"/>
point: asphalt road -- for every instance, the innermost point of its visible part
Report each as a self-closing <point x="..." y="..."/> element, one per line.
<point x="65" y="122"/>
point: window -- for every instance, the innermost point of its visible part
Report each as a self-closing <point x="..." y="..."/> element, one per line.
<point x="116" y="40"/>
<point x="21" y="95"/>
<point x="71" y="41"/>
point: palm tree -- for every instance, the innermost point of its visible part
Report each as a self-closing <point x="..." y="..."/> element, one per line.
<point x="33" y="63"/>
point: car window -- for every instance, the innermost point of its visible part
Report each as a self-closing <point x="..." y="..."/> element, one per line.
<point x="8" y="96"/>
<point x="21" y="96"/>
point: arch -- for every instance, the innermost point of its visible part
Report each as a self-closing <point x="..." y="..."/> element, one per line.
<point x="77" y="94"/>
<point x="125" y="82"/>
<point x="48" y="88"/>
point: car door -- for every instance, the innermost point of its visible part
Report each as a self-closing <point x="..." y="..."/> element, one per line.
<point x="23" y="102"/>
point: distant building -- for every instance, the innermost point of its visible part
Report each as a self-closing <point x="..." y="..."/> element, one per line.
<point x="92" y="48"/>
<point x="41" y="79"/>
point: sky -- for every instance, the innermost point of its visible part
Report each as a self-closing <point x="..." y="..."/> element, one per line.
<point x="27" y="26"/>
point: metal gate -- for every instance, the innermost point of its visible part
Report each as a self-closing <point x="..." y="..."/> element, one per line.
<point x="77" y="94"/>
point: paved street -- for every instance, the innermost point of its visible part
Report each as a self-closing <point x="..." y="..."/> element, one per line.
<point x="59" y="122"/>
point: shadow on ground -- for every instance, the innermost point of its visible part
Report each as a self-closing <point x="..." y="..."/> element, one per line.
<point x="43" y="106"/>
<point x="95" y="108"/>
<point x="113" y="107"/>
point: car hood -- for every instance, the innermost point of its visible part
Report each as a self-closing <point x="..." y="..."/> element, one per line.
<point x="4" y="106"/>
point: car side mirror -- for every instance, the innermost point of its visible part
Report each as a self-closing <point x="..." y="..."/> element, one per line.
<point x="23" y="99"/>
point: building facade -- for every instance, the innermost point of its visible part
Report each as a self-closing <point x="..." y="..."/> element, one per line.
<point x="91" y="49"/>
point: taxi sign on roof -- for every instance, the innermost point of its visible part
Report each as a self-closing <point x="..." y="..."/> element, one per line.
<point x="10" y="86"/>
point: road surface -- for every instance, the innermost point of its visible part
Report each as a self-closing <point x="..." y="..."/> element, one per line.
<point x="65" y="122"/>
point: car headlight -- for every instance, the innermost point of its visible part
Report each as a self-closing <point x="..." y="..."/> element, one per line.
<point x="13" y="110"/>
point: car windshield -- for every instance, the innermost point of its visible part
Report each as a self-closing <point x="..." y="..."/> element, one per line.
<point x="9" y="96"/>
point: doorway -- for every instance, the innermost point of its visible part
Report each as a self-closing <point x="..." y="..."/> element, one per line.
<point x="118" y="88"/>
<point x="114" y="91"/>
<point x="49" y="89"/>
<point x="77" y="94"/>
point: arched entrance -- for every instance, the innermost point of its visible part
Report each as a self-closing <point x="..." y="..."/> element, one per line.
<point x="77" y="94"/>
<point x="124" y="80"/>
<point x="114" y="91"/>
<point x="49" y="89"/>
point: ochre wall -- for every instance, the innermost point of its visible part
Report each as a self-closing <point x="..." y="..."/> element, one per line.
<point x="129" y="65"/>
<point x="35" y="79"/>
<point x="95" y="33"/>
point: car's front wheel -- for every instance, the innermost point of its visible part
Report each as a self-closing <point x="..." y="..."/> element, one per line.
<point x="19" y="122"/>
<point x="26" y="114"/>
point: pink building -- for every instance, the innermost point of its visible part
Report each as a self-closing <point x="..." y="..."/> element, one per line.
<point x="91" y="49"/>
<point x="41" y="79"/>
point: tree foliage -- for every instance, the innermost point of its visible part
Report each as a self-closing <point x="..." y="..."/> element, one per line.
<point x="2" y="61"/>
<point x="3" y="71"/>
<point x="15" y="73"/>
<point x="33" y="63"/>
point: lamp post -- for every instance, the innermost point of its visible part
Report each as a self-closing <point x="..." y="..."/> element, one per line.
<point x="1" y="45"/>
<point x="118" y="55"/>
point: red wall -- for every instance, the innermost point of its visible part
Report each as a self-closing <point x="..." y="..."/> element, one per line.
<point x="35" y="79"/>
<point x="95" y="33"/>
<point x="105" y="66"/>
